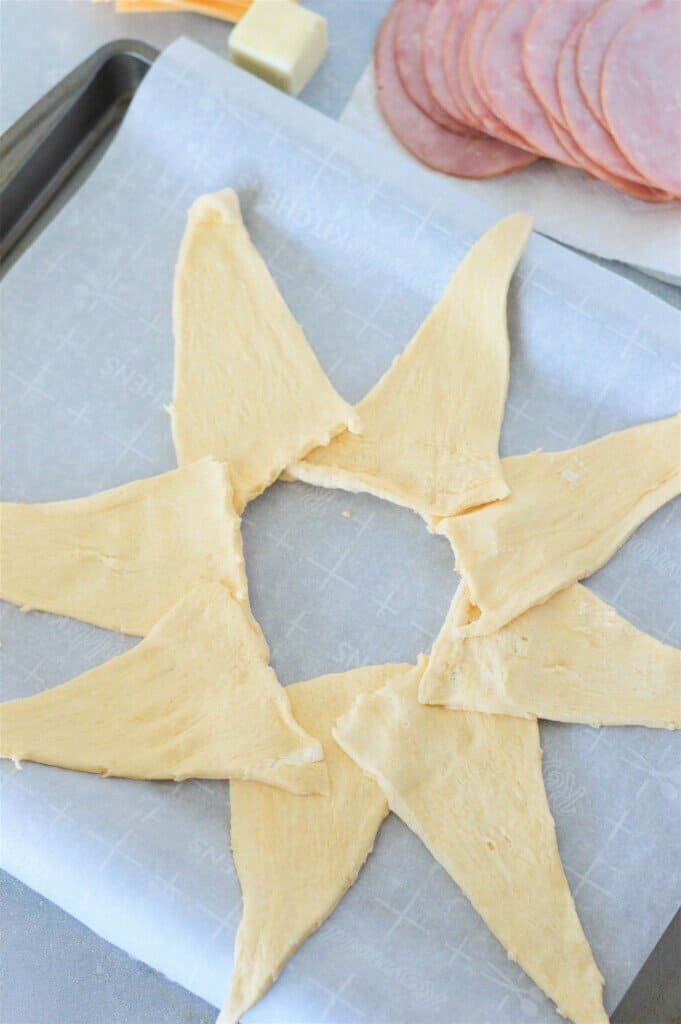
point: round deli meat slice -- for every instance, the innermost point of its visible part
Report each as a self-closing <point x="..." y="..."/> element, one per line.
<point x="641" y="93"/>
<point x="598" y="31"/>
<point x="447" y="17"/>
<point x="590" y="135"/>
<point x="411" y="22"/>
<point x="506" y="86"/>
<point x="468" y="64"/>
<point x="424" y="138"/>
<point x="545" y="35"/>
<point x="581" y="161"/>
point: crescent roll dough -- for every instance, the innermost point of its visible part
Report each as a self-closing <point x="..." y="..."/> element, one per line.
<point x="471" y="787"/>
<point x="122" y="558"/>
<point x="567" y="514"/>
<point x="195" y="699"/>
<point x="430" y="427"/>
<point x="248" y="388"/>
<point x="571" y="659"/>
<point x="295" y="858"/>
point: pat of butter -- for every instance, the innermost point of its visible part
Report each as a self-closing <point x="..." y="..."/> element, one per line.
<point x="281" y="42"/>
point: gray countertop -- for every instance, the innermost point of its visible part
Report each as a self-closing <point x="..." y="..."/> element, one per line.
<point x="53" y="969"/>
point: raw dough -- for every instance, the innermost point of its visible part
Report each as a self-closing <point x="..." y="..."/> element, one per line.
<point x="431" y="424"/>
<point x="195" y="699"/>
<point x="470" y="786"/>
<point x="122" y="558"/>
<point x="572" y="659"/>
<point x="248" y="387"/>
<point x="568" y="513"/>
<point x="296" y="858"/>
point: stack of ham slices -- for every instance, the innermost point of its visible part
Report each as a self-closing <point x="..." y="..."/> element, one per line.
<point x="479" y="88"/>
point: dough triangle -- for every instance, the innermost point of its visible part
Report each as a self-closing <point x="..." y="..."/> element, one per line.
<point x="571" y="659"/>
<point x="567" y="514"/>
<point x="195" y="699"/>
<point x="295" y="858"/>
<point x="470" y="786"/>
<point x="430" y="426"/>
<point x="248" y="387"/>
<point x="122" y="558"/>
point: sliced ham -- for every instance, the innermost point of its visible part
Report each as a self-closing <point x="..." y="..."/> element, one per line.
<point x="506" y="86"/>
<point x="441" y="42"/>
<point x="468" y="64"/>
<point x="641" y="92"/>
<point x="590" y="135"/>
<point x="544" y="38"/>
<point x="428" y="141"/>
<point x="411" y="22"/>
<point x="598" y="31"/>
<point x="479" y="88"/>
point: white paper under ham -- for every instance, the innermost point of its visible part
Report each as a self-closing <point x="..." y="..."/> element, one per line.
<point x="567" y="204"/>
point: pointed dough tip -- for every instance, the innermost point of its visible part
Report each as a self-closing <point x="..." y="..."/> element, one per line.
<point x="223" y="206"/>
<point x="521" y="218"/>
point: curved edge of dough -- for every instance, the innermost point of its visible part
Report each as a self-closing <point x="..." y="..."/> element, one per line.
<point x="241" y="998"/>
<point x="223" y="206"/>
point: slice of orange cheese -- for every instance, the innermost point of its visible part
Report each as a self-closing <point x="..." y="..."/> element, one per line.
<point x="225" y="10"/>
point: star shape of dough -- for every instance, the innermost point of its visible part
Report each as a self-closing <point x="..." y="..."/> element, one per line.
<point x="162" y="558"/>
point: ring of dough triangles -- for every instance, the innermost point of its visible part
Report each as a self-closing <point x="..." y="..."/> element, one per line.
<point x="161" y="558"/>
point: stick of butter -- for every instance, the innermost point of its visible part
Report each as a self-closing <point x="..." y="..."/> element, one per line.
<point x="281" y="42"/>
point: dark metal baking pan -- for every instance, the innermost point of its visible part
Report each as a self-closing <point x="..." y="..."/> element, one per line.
<point x="47" y="153"/>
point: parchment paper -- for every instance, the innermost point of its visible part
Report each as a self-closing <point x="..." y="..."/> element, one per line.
<point x="362" y="244"/>
<point x="567" y="203"/>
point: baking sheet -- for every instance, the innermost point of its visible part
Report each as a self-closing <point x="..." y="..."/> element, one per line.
<point x="361" y="244"/>
<point x="567" y="203"/>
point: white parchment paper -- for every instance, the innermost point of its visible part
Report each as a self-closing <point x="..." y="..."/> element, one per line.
<point x="362" y="244"/>
<point x="567" y="203"/>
